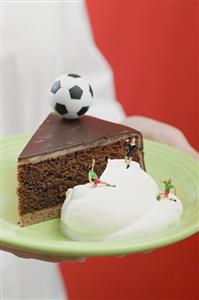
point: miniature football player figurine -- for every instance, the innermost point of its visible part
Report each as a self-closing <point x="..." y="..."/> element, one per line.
<point x="168" y="186"/>
<point x="93" y="178"/>
<point x="130" y="146"/>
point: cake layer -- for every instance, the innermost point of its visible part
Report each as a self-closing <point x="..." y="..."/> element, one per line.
<point x="40" y="215"/>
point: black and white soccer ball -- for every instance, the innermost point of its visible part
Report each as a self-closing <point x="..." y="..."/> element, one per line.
<point x="71" y="96"/>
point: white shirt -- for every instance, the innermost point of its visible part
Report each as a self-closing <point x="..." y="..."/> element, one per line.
<point x="40" y="42"/>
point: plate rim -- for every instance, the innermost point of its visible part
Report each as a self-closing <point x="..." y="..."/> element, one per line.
<point x="127" y="249"/>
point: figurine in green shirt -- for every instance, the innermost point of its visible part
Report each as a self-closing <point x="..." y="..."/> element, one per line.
<point x="168" y="186"/>
<point x="93" y="178"/>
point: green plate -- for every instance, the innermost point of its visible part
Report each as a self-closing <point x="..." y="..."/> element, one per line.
<point x="161" y="161"/>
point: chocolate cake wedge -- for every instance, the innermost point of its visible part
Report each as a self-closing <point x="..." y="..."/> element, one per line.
<point x="57" y="158"/>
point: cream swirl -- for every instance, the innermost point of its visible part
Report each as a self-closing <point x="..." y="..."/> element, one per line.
<point x="101" y="213"/>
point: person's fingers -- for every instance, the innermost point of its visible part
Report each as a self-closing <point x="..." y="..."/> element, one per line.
<point x="161" y="132"/>
<point x="42" y="257"/>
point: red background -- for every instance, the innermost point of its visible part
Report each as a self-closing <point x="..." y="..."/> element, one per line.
<point x="152" y="48"/>
<point x="170" y="273"/>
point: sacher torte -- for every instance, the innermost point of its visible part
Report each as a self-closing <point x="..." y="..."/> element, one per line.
<point x="57" y="158"/>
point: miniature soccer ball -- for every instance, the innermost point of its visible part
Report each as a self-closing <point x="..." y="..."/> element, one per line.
<point x="71" y="96"/>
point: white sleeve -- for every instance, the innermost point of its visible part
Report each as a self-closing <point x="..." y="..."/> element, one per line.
<point x="40" y="42"/>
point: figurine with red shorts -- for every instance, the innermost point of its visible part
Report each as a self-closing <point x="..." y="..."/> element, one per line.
<point x="167" y="189"/>
<point x="93" y="178"/>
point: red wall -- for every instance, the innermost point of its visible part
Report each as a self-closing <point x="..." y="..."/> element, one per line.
<point x="152" y="50"/>
<point x="170" y="273"/>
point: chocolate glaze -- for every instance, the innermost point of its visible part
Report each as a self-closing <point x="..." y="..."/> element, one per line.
<point x="56" y="134"/>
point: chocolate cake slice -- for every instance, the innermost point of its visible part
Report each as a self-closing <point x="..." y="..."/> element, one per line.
<point x="57" y="158"/>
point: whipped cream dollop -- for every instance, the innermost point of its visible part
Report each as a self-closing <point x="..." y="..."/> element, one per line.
<point x="126" y="210"/>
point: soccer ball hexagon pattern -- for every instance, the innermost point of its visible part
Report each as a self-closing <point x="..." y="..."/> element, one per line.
<point x="71" y="96"/>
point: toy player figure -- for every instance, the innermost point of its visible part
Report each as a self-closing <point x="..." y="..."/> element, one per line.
<point x="168" y="186"/>
<point x="131" y="145"/>
<point x="93" y="178"/>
